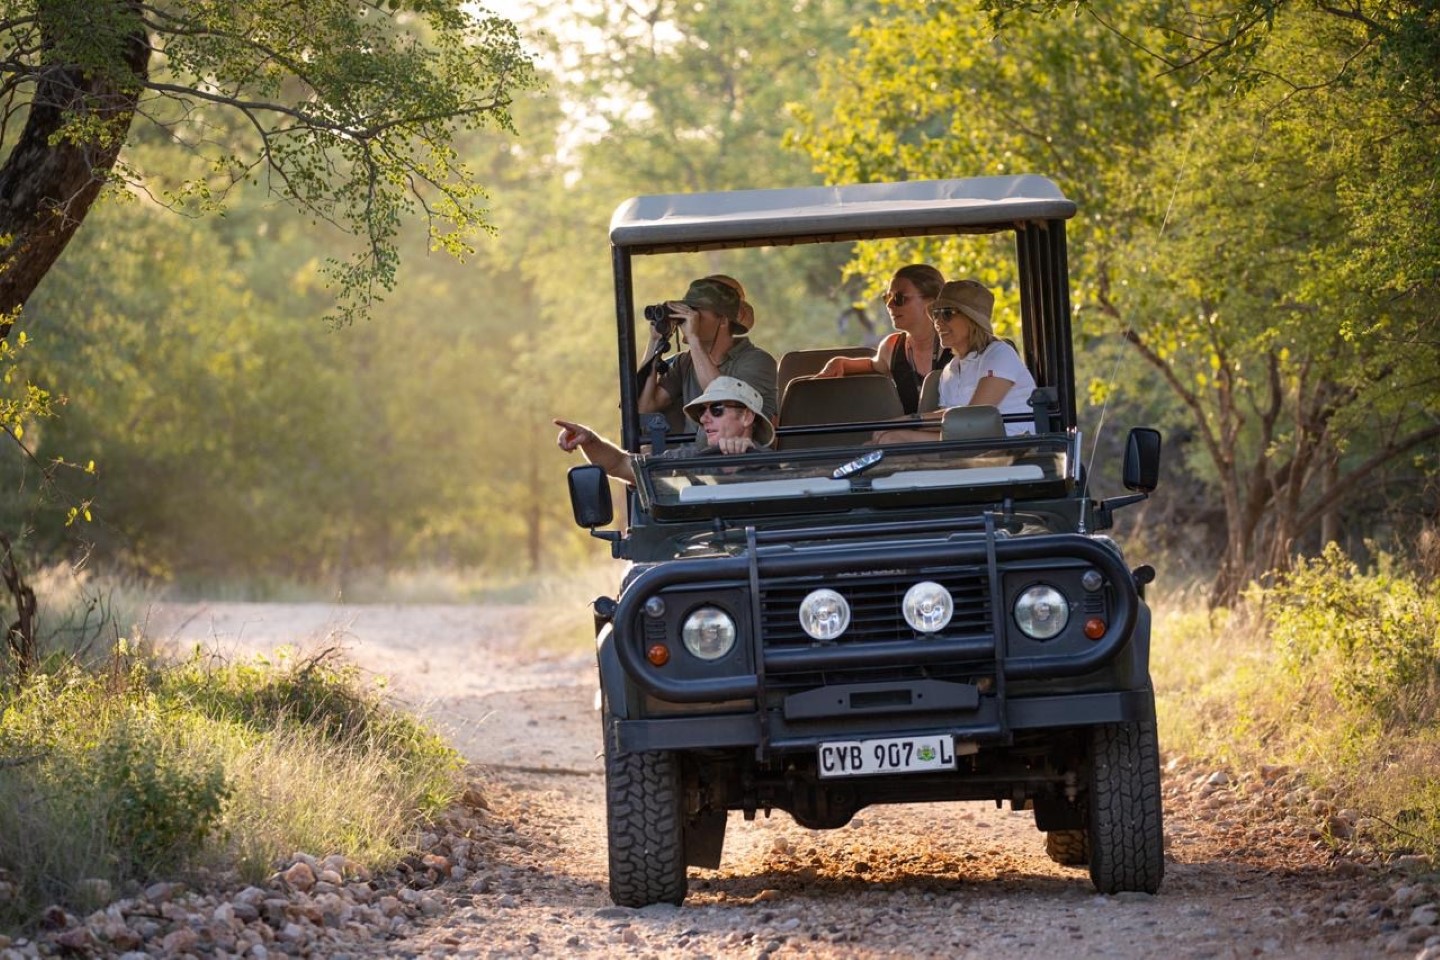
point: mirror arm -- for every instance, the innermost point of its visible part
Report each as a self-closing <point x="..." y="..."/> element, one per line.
<point x="1103" y="516"/>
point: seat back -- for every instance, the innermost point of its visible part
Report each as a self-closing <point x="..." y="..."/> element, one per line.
<point x="807" y="363"/>
<point x="971" y="423"/>
<point x="809" y="402"/>
<point x="929" y="393"/>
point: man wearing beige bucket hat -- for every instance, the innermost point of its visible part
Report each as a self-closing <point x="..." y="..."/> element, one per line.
<point x="731" y="421"/>
<point x="715" y="326"/>
<point x="985" y="370"/>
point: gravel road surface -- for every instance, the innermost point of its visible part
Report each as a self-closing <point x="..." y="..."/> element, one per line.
<point x="522" y="871"/>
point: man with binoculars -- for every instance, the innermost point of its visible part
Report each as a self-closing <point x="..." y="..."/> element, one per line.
<point x="712" y="319"/>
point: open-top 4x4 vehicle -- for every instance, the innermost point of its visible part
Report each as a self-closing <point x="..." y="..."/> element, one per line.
<point x="831" y="624"/>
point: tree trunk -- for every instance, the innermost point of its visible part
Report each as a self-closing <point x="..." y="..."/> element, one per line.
<point x="50" y="179"/>
<point x="1330" y="519"/>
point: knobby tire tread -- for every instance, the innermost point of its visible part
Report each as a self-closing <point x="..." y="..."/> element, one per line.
<point x="1126" y="826"/>
<point x="646" y="829"/>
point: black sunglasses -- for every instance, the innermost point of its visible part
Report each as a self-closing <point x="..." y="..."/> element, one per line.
<point x="943" y="313"/>
<point x="718" y="408"/>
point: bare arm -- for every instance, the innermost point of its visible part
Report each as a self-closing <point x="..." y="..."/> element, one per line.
<point x="706" y="369"/>
<point x="597" y="449"/>
<point x="990" y="391"/>
<point x="855" y="366"/>
<point x="653" y="397"/>
<point x="847" y="367"/>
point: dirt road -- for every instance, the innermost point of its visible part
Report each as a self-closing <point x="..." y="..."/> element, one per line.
<point x="1246" y="872"/>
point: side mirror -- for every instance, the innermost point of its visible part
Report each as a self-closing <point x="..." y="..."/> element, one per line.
<point x="1142" y="460"/>
<point x="590" y="496"/>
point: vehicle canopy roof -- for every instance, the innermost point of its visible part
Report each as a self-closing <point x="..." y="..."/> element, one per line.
<point x="678" y="222"/>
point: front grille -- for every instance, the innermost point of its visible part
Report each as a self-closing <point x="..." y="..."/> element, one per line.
<point x="875" y="600"/>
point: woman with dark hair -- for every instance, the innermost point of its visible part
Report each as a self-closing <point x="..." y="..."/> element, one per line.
<point x="913" y="350"/>
<point x="986" y="370"/>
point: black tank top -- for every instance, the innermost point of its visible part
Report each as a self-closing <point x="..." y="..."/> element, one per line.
<point x="907" y="379"/>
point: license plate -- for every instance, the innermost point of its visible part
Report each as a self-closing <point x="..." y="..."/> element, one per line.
<point x="863" y="758"/>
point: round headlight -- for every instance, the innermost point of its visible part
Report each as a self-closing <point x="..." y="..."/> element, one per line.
<point x="824" y="614"/>
<point x="928" y="607"/>
<point x="709" y="633"/>
<point x="1041" y="612"/>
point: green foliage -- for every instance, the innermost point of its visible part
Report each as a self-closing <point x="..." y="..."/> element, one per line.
<point x="1376" y="637"/>
<point x="1283" y="293"/>
<point x="349" y="112"/>
<point x="21" y="402"/>
<point x="1333" y="671"/>
<point x="322" y="694"/>
<point x="115" y="775"/>
<point x="161" y="798"/>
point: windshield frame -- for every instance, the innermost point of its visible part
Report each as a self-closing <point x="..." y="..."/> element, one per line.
<point x="927" y="473"/>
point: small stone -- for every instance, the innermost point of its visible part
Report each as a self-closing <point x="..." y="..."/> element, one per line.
<point x="1218" y="779"/>
<point x="159" y="892"/>
<point x="332" y="877"/>
<point x="300" y="877"/>
<point x="179" y="941"/>
<point x="55" y="918"/>
<point x="79" y="940"/>
<point x="1425" y="916"/>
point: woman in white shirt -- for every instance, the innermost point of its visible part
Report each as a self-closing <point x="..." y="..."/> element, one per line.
<point x="984" y="371"/>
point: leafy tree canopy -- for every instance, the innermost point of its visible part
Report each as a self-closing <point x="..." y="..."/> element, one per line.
<point x="348" y="110"/>
<point x="1268" y="248"/>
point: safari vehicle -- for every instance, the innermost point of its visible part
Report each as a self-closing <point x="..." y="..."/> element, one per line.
<point x="828" y="624"/>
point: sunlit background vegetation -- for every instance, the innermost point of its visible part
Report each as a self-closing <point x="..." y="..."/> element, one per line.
<point x="1254" y="270"/>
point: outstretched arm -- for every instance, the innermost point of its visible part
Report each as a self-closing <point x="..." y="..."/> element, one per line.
<point x="597" y="449"/>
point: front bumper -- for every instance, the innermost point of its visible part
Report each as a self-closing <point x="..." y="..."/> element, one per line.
<point x="957" y="682"/>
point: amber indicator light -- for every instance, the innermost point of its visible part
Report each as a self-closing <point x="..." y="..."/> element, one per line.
<point x="659" y="654"/>
<point x="1094" y="628"/>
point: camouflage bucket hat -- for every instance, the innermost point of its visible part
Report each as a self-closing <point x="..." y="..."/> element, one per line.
<point x="729" y="389"/>
<point x="970" y="297"/>
<point x="713" y="295"/>
<point x="744" y="322"/>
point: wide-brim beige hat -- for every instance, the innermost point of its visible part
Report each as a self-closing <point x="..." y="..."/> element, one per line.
<point x="970" y="297"/>
<point x="729" y="389"/>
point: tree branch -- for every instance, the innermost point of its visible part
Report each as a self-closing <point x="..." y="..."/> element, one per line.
<point x="1341" y="490"/>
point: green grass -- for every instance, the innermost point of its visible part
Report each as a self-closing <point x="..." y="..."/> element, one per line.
<point x="144" y="770"/>
<point x="118" y="767"/>
<point x="1335" y="671"/>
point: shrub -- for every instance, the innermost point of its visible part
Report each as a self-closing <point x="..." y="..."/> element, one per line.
<point x="142" y="769"/>
<point x="161" y="793"/>
<point x="1376" y="636"/>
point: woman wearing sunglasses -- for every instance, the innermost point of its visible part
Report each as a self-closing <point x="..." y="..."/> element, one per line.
<point x="913" y="350"/>
<point x="985" y="369"/>
<point x="731" y="418"/>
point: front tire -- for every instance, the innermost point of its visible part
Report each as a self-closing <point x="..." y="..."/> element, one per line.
<point x="1126" y="828"/>
<point x="646" y="828"/>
